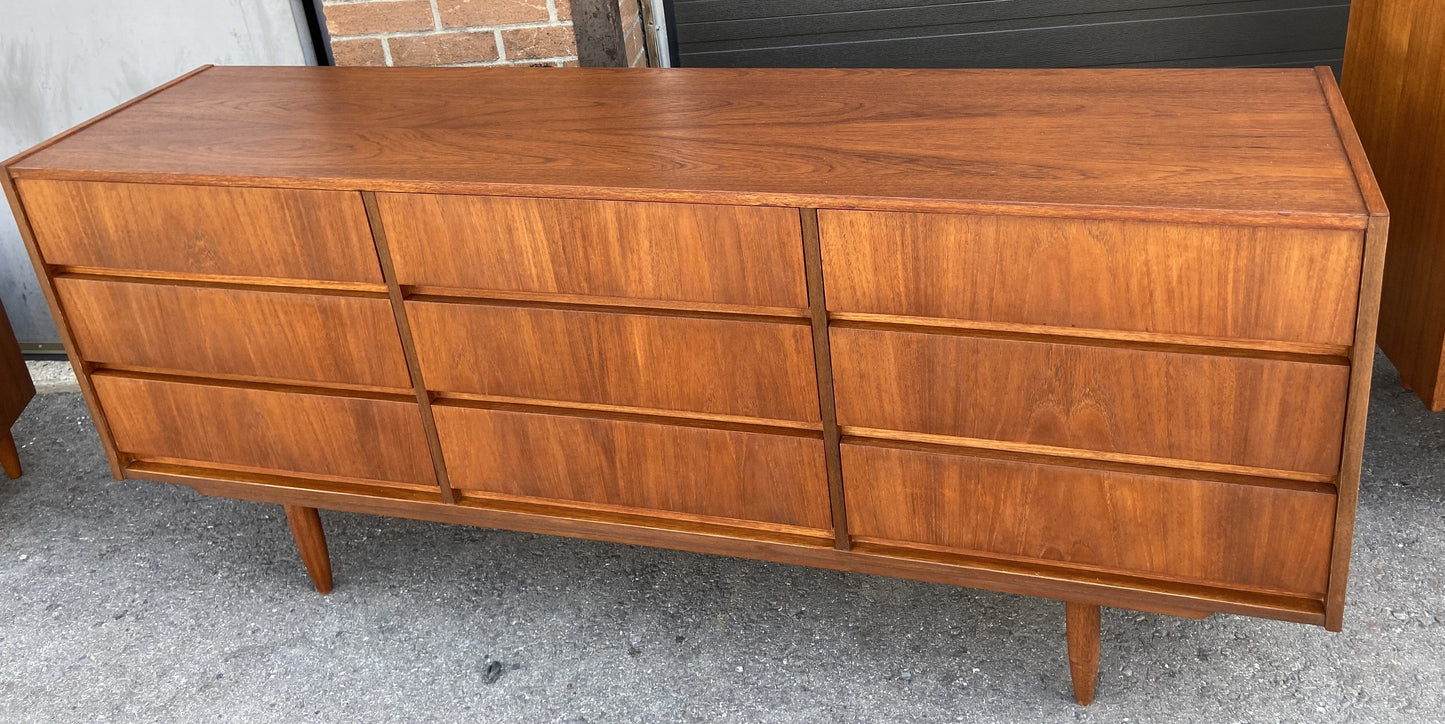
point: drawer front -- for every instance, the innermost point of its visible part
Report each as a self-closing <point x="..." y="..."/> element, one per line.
<point x="721" y="473"/>
<point x="679" y="252"/>
<point x="1273" y="414"/>
<point x="1290" y="285"/>
<point x="246" y="232"/>
<point x="274" y="335"/>
<point x="1192" y="530"/>
<point x="725" y="367"/>
<point x="267" y="431"/>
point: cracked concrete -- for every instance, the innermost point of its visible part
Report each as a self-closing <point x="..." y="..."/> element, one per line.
<point x="136" y="601"/>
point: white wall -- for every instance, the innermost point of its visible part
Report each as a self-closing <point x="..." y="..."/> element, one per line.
<point x="64" y="61"/>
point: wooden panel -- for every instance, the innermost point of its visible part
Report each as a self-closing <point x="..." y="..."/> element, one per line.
<point x="16" y="389"/>
<point x="1362" y="355"/>
<point x="717" y="366"/>
<point x="267" y="430"/>
<point x="1231" y="410"/>
<point x="408" y="344"/>
<point x="1255" y="143"/>
<point x="1394" y="82"/>
<point x="1195" y="530"/>
<point x="722" y="473"/>
<point x="683" y="252"/>
<point x="247" y="232"/>
<point x="1293" y="285"/>
<point x="1169" y="598"/>
<point x="276" y="335"/>
<point x="823" y="368"/>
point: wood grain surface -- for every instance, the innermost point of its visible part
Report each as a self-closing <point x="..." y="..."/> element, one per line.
<point x="1081" y="629"/>
<point x="310" y="540"/>
<point x="287" y="432"/>
<point x="1362" y="354"/>
<point x="57" y="314"/>
<point x="246" y="232"/>
<point x="678" y="252"/>
<point x="1394" y="84"/>
<point x="241" y="332"/>
<point x="9" y="454"/>
<point x="720" y="473"/>
<point x="1292" y="285"/>
<point x="1196" y="530"/>
<point x="397" y="298"/>
<point x="719" y="366"/>
<point x="1232" y="410"/>
<point x="16" y="389"/>
<point x="823" y="366"/>
<point x="1255" y="142"/>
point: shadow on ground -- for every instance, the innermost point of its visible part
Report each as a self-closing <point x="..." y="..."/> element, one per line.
<point x="135" y="601"/>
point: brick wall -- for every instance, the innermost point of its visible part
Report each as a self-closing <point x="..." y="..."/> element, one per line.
<point x="633" y="32"/>
<point x="451" y="32"/>
<point x="467" y="32"/>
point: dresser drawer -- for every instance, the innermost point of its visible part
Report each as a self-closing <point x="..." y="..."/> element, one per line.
<point x="1281" y="284"/>
<point x="714" y="366"/>
<point x="746" y="476"/>
<point x="230" y="231"/>
<point x="275" y="335"/>
<point x="1282" y="415"/>
<point x="1190" y="530"/>
<point x="736" y="255"/>
<point x="265" y="430"/>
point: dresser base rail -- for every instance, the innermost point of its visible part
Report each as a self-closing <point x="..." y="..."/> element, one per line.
<point x="1084" y="592"/>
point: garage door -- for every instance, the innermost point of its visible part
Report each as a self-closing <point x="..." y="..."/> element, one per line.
<point x="1008" y="33"/>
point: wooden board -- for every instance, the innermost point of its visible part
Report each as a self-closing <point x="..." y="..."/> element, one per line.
<point x="678" y="252"/>
<point x="1196" y="530"/>
<point x="1292" y="285"/>
<point x="1267" y="414"/>
<point x="16" y="389"/>
<point x="715" y="366"/>
<point x="1249" y="143"/>
<point x="237" y="332"/>
<point x="1130" y="592"/>
<point x="1394" y="82"/>
<point x="718" y="473"/>
<point x="267" y="430"/>
<point x="245" y="232"/>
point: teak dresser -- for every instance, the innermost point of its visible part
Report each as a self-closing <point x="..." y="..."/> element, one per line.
<point x="1098" y="336"/>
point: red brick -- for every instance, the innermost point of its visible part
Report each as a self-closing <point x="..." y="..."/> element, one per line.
<point x="392" y="16"/>
<point x="466" y="13"/>
<point x="628" y="11"/>
<point x="359" y="51"/>
<point x="547" y="42"/>
<point x="564" y="9"/>
<point x="443" y="48"/>
<point x="634" y="46"/>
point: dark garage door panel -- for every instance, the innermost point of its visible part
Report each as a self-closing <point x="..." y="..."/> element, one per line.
<point x="1010" y="33"/>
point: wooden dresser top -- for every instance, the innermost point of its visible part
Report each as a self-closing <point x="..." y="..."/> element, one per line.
<point x="1242" y="145"/>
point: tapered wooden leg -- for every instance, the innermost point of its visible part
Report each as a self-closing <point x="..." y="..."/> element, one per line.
<point x="311" y="544"/>
<point x="9" y="456"/>
<point x="1082" y="623"/>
